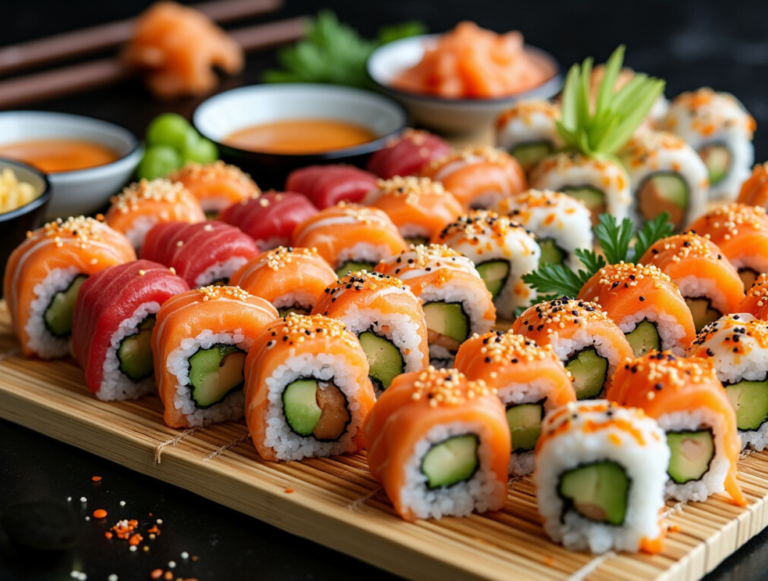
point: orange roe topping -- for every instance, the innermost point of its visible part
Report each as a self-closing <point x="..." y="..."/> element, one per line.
<point x="99" y="513"/>
<point x="480" y="223"/>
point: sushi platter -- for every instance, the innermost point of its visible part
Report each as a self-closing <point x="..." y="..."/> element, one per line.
<point x="337" y="503"/>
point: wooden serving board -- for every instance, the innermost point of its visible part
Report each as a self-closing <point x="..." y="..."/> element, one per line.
<point x="337" y="503"/>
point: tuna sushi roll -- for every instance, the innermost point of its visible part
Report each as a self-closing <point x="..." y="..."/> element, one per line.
<point x="502" y="252"/>
<point x="406" y="154"/>
<point x="587" y="342"/>
<point x="327" y="185"/>
<point x="741" y="232"/>
<point x="202" y="254"/>
<point x="666" y="175"/>
<point x="200" y="342"/>
<point x="754" y="191"/>
<point x="45" y="273"/>
<point x="718" y="127"/>
<point x="307" y="389"/>
<point x="270" y="218"/>
<point x="601" y="184"/>
<point x="456" y="302"/>
<point x="291" y="279"/>
<point x="112" y="327"/>
<point x="645" y="304"/>
<point x="688" y="401"/>
<point x="419" y="207"/>
<point x="439" y="445"/>
<point x="350" y="237"/>
<point x="144" y="204"/>
<point x="738" y="348"/>
<point x="530" y="381"/>
<point x="560" y="223"/>
<point x="756" y="299"/>
<point x="708" y="282"/>
<point x="477" y="176"/>
<point x="215" y="185"/>
<point x="386" y="317"/>
<point x="600" y="474"/>
<point x="528" y="131"/>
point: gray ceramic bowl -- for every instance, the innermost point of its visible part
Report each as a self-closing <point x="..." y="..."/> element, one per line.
<point x="82" y="191"/>
<point x="441" y="113"/>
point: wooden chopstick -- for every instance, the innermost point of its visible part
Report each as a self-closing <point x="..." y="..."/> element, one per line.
<point x="109" y="71"/>
<point x="97" y="38"/>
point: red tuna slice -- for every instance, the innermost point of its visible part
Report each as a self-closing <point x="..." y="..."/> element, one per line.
<point x="407" y="154"/>
<point x="327" y="185"/>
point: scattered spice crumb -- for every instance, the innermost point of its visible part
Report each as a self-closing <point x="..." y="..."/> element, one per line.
<point x="159" y="521"/>
<point x="96" y="479"/>
<point x="289" y="490"/>
<point x="100" y="513"/>
<point x="184" y="555"/>
<point x="112" y="577"/>
<point x="194" y="557"/>
<point x="132" y="548"/>
<point x="168" y="576"/>
<point x="122" y="503"/>
<point x="171" y="564"/>
<point x="135" y="539"/>
<point x="146" y="548"/>
<point x="83" y="499"/>
<point x="153" y="531"/>
<point x="69" y="499"/>
<point x="156" y="574"/>
<point x="87" y="518"/>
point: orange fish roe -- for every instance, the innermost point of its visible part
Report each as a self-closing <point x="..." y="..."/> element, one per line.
<point x="159" y="190"/>
<point x="739" y="333"/>
<point x="296" y="329"/>
<point x="479" y="223"/>
<point x="97" y="478"/>
<point x="525" y="110"/>
<point x="124" y="529"/>
<point x="281" y="256"/>
<point x="99" y="513"/>
<point x="214" y="292"/>
<point x="447" y="387"/>
<point x="156" y="574"/>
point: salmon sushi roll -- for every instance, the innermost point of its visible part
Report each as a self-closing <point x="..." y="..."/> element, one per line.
<point x="738" y="348"/>
<point x="666" y="175"/>
<point x="602" y="184"/>
<point x="292" y="279"/>
<point x="502" y="251"/>
<point x="270" y="218"/>
<point x="350" y="237"/>
<point x="688" y="401"/>
<point x="528" y="131"/>
<point x="44" y="274"/>
<point x="530" y="381"/>
<point x="387" y="318"/>
<point x="202" y="254"/>
<point x="112" y="327"/>
<point x="142" y="205"/>
<point x="456" y="302"/>
<point x="587" y="342"/>
<point x="307" y="389"/>
<point x="741" y="232"/>
<point x="327" y="185"/>
<point x="560" y="223"/>
<point x="600" y="471"/>
<point x="216" y="185"/>
<point x="646" y="305"/>
<point x="755" y="300"/>
<point x="419" y="207"/>
<point x="477" y="176"/>
<point x="709" y="283"/>
<point x="439" y="445"/>
<point x="754" y="190"/>
<point x="406" y="154"/>
<point x="200" y="342"/>
<point x="720" y="129"/>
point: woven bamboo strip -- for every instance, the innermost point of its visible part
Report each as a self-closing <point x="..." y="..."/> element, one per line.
<point x="336" y="502"/>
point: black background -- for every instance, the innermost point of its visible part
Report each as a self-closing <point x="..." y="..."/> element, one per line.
<point x="689" y="43"/>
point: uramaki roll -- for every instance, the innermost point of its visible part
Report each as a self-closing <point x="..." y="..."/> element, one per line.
<point x="215" y="185"/>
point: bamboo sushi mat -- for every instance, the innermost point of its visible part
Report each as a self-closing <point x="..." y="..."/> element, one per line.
<point x="337" y="503"/>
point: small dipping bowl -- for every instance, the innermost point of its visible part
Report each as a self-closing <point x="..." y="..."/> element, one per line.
<point x="15" y="224"/>
<point x="443" y="114"/>
<point x="82" y="191"/>
<point x="221" y="115"/>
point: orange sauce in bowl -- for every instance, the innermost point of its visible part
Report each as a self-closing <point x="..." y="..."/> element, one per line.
<point x="300" y="136"/>
<point x="59" y="155"/>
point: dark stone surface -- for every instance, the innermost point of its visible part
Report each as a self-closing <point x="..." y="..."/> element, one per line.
<point x="689" y="43"/>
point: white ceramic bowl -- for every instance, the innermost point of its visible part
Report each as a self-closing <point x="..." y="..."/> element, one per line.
<point x="82" y="191"/>
<point x="225" y="113"/>
<point x="441" y="113"/>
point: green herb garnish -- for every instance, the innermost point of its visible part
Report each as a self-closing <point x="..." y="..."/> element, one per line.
<point x="333" y="52"/>
<point x="604" y="129"/>
<point x="556" y="280"/>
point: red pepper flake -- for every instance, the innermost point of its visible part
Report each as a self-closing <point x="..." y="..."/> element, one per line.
<point x="154" y="530"/>
<point x="156" y="574"/>
<point x="289" y="490"/>
<point x="108" y="535"/>
<point x="96" y="479"/>
<point x="135" y="539"/>
<point x="100" y="513"/>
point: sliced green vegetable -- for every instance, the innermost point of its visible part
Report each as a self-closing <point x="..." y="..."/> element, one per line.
<point x="58" y="315"/>
<point x="451" y="461"/>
